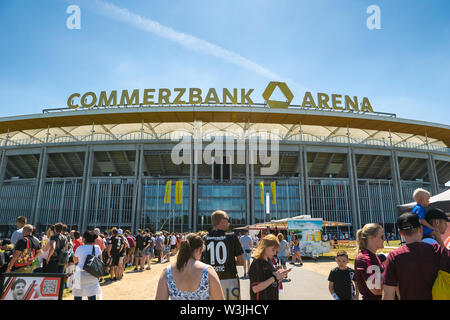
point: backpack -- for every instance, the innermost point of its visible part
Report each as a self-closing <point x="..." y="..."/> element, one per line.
<point x="441" y="286"/>
<point x="63" y="254"/>
<point x="26" y="257"/>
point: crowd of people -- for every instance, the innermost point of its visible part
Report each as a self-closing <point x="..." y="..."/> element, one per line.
<point x="206" y="263"/>
<point x="60" y="251"/>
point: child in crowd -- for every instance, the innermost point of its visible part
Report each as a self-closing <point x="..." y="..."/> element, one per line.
<point x="341" y="279"/>
<point x="422" y="197"/>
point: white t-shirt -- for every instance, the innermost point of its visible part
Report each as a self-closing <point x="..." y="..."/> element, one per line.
<point x="173" y="240"/>
<point x="85" y="250"/>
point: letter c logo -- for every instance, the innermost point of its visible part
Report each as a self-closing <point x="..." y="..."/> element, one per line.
<point x="69" y="101"/>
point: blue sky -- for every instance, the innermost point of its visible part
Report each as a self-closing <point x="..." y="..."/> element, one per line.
<point x="320" y="45"/>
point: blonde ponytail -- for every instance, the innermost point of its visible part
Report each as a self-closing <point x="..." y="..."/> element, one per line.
<point x="363" y="234"/>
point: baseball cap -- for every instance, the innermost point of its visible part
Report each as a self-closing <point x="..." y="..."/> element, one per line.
<point x="408" y="221"/>
<point x="436" y="213"/>
<point x="120" y="231"/>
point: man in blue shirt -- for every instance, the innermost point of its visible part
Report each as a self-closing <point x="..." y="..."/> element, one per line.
<point x="247" y="245"/>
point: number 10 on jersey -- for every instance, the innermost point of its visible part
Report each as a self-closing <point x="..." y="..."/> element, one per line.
<point x="215" y="253"/>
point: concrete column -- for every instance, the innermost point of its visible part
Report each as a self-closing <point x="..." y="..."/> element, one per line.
<point x="83" y="187"/>
<point x="301" y="178"/>
<point x="140" y="182"/>
<point x="191" y="187"/>
<point x="247" y="185"/>
<point x="396" y="180"/>
<point x="87" y="181"/>
<point x="252" y="192"/>
<point x="3" y="162"/>
<point x="432" y="174"/>
<point x="39" y="185"/>
<point x="306" y="182"/>
<point x="354" y="192"/>
<point x="135" y="188"/>
<point x="195" y="185"/>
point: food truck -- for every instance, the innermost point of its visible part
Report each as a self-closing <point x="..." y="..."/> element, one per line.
<point x="308" y="229"/>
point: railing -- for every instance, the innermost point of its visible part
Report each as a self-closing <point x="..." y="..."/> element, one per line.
<point x="254" y="105"/>
<point x="144" y="136"/>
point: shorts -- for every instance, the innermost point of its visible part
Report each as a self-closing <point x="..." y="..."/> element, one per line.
<point x="297" y="249"/>
<point x="247" y="256"/>
<point x="167" y="249"/>
<point x="283" y="261"/>
<point x="139" y="253"/>
<point x="148" y="251"/>
<point x="130" y="251"/>
<point x="115" y="259"/>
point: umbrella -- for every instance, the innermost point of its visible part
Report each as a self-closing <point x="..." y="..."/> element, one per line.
<point x="441" y="201"/>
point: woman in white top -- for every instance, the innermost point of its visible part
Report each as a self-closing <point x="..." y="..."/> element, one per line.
<point x="86" y="285"/>
<point x="45" y="249"/>
<point x="189" y="278"/>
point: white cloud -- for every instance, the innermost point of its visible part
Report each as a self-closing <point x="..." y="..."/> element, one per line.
<point x="188" y="41"/>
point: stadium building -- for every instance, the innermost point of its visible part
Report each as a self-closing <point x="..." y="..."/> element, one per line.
<point x="111" y="166"/>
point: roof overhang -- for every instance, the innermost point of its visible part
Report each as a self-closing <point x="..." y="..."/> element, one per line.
<point x="225" y="114"/>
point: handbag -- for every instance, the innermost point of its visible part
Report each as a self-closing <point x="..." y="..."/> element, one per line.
<point x="93" y="265"/>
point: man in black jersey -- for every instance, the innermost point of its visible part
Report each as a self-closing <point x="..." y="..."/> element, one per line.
<point x="224" y="252"/>
<point x="115" y="247"/>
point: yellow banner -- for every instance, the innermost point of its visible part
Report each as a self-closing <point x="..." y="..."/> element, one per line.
<point x="274" y="193"/>
<point x="261" y="186"/>
<point x="179" y="192"/>
<point x="167" y="194"/>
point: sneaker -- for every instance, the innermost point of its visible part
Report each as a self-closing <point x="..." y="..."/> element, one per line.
<point x="148" y="268"/>
<point x="135" y="269"/>
<point x="301" y="264"/>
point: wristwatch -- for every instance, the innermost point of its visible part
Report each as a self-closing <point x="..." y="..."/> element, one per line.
<point x="275" y="278"/>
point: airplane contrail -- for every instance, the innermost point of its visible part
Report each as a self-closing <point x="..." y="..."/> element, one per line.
<point x="188" y="41"/>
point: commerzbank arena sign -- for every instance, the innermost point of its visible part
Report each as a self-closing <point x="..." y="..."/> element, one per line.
<point x="195" y="96"/>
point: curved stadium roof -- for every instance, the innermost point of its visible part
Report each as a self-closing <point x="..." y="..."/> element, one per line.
<point x="159" y="121"/>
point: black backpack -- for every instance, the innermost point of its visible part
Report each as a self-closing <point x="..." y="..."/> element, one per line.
<point x="63" y="255"/>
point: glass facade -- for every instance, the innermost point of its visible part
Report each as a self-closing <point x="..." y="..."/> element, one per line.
<point x="230" y="197"/>
<point x="110" y="203"/>
<point x="16" y="199"/>
<point x="115" y="201"/>
<point x="330" y="200"/>
<point x="61" y="201"/>
<point x="287" y="199"/>
<point x="158" y="215"/>
<point x="377" y="203"/>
